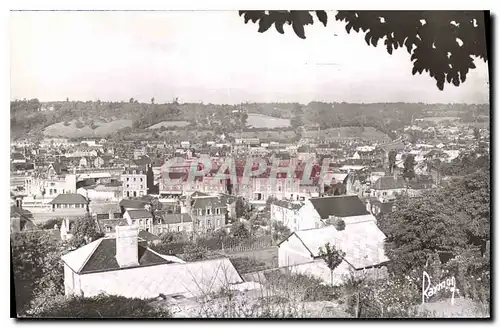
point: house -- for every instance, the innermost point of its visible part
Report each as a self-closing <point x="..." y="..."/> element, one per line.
<point x="140" y="218"/>
<point x="318" y="212"/>
<point x="133" y="204"/>
<point x="108" y="225"/>
<point x="134" y="182"/>
<point x="125" y="266"/>
<point x="363" y="244"/>
<point x="178" y="222"/>
<point x="388" y="187"/>
<point x="208" y="212"/>
<point x="74" y="203"/>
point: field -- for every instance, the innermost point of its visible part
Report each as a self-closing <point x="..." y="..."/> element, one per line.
<point x="169" y="124"/>
<point x="71" y="131"/>
<point x="269" y="134"/>
<point x="368" y="133"/>
<point x="268" y="122"/>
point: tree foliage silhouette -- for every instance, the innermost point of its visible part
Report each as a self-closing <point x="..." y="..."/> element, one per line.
<point x="441" y="43"/>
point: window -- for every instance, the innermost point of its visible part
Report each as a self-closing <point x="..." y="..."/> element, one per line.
<point x="128" y="180"/>
<point x="55" y="191"/>
<point x="134" y="179"/>
<point x="140" y="221"/>
<point x="208" y="211"/>
<point x="128" y="186"/>
<point x="141" y="179"/>
<point x="159" y="221"/>
<point x="209" y="224"/>
<point x="160" y="230"/>
<point x="108" y="229"/>
<point x="135" y="193"/>
<point x="178" y="228"/>
<point x="384" y="193"/>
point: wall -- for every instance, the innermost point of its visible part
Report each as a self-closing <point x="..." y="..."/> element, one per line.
<point x="192" y="279"/>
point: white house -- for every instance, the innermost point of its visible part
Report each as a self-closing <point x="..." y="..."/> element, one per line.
<point x="125" y="266"/>
<point x="363" y="244"/>
<point x="388" y="187"/>
<point x="318" y="212"/>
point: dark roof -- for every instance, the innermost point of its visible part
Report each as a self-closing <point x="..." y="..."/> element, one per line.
<point x="132" y="203"/>
<point x="203" y="202"/>
<point x="199" y="194"/>
<point x="104" y="257"/>
<point x="69" y="199"/>
<point x="19" y="212"/>
<point x="388" y="182"/>
<point x="176" y="218"/>
<point x="110" y="223"/>
<point x="148" y="236"/>
<point x="341" y="206"/>
<point x="139" y="214"/>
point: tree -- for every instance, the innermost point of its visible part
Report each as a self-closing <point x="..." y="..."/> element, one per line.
<point x="239" y="231"/>
<point x="37" y="268"/>
<point x="442" y="222"/>
<point x="153" y="101"/>
<point x="131" y="100"/>
<point x="392" y="160"/>
<point x="477" y="134"/>
<point x="441" y="43"/>
<point x="332" y="258"/>
<point x="85" y="230"/>
<point x="409" y="167"/>
<point x="240" y="207"/>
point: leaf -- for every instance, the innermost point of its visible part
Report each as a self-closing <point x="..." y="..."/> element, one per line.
<point x="298" y="29"/>
<point x="322" y="16"/>
<point x="265" y="23"/>
<point x="279" y="27"/>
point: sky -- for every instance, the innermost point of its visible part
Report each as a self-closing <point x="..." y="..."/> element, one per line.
<point x="211" y="57"/>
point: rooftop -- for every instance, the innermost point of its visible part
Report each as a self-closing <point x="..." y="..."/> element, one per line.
<point x="340" y="206"/>
<point x="69" y="199"/>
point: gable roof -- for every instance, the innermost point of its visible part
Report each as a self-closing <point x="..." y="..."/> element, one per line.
<point x="176" y="218"/>
<point x="69" y="199"/>
<point x="148" y="236"/>
<point x="20" y="212"/>
<point x="363" y="243"/>
<point x="211" y="201"/>
<point x="388" y="182"/>
<point x="132" y="203"/>
<point x="100" y="255"/>
<point x="341" y="206"/>
<point x="139" y="214"/>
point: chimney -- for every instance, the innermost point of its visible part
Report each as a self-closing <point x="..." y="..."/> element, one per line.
<point x="127" y="246"/>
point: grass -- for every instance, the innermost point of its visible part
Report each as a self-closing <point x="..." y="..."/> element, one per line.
<point x="72" y="131"/>
<point x="169" y="124"/>
<point x="267" y="122"/>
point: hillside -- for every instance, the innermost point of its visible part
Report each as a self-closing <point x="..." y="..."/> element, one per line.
<point x="169" y="124"/>
<point x="367" y="133"/>
<point x="261" y="121"/>
<point x="73" y="130"/>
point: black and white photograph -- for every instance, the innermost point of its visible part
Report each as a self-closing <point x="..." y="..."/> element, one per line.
<point x="250" y="164"/>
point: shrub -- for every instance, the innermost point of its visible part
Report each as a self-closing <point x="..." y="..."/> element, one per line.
<point x="101" y="306"/>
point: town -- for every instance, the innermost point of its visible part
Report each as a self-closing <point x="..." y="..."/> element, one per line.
<point x="249" y="209"/>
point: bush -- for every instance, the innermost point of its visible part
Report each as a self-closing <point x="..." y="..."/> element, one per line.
<point x="49" y="224"/>
<point x="101" y="306"/>
<point x="79" y="125"/>
<point x="246" y="264"/>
